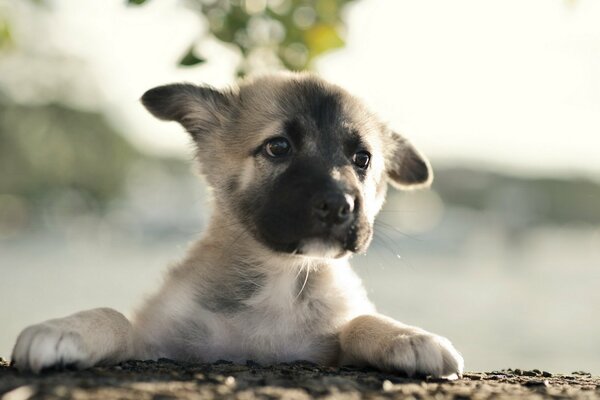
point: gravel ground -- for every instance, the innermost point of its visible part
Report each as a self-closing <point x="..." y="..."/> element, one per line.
<point x="167" y="379"/>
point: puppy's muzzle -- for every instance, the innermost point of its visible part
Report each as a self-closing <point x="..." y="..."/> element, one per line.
<point x="333" y="208"/>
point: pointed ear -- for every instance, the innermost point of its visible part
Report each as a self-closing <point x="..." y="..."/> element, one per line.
<point x="406" y="167"/>
<point x="199" y="109"/>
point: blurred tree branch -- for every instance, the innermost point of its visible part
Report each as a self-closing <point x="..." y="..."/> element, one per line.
<point x="46" y="148"/>
<point x="5" y="35"/>
<point x="279" y="33"/>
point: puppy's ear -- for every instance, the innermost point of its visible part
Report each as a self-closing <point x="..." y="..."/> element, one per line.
<point x="406" y="167"/>
<point x="199" y="109"/>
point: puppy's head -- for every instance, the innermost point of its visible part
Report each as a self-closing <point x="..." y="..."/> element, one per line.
<point x="297" y="161"/>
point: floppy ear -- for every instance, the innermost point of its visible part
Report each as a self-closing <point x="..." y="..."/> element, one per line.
<point x="406" y="167"/>
<point x="198" y="109"/>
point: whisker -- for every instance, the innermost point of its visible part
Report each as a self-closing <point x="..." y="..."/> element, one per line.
<point x="387" y="243"/>
<point x="379" y="223"/>
<point x="304" y="284"/>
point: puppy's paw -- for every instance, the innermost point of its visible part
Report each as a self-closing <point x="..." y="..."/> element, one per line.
<point x="424" y="354"/>
<point x="49" y="346"/>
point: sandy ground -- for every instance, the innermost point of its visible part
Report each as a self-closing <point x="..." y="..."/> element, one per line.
<point x="166" y="379"/>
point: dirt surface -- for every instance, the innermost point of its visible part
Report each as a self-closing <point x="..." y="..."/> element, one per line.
<point x="167" y="379"/>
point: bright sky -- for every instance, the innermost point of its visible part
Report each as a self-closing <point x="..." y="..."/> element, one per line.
<point x="511" y="83"/>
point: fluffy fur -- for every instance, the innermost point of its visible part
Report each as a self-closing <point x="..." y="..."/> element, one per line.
<point x="269" y="280"/>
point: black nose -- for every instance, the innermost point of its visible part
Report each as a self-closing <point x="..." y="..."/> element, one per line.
<point x="334" y="208"/>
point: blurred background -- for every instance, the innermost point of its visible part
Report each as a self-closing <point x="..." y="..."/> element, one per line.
<point x="502" y="255"/>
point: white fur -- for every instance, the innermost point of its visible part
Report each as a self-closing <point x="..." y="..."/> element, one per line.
<point x="84" y="339"/>
<point x="321" y="249"/>
<point x="272" y="329"/>
<point x="44" y="345"/>
<point x="391" y="346"/>
<point x="421" y="352"/>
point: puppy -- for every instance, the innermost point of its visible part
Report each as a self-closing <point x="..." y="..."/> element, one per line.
<point x="299" y="169"/>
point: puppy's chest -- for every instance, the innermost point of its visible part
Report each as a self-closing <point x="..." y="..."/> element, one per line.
<point x="288" y="318"/>
<point x="290" y="304"/>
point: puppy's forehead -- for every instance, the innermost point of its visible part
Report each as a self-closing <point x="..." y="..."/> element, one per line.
<point x="306" y="108"/>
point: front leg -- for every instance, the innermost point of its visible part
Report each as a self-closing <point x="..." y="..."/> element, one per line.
<point x="386" y="344"/>
<point x="82" y="340"/>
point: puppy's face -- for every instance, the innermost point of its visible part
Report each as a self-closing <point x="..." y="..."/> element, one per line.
<point x="296" y="161"/>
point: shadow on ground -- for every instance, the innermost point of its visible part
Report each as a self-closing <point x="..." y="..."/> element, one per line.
<point x="166" y="379"/>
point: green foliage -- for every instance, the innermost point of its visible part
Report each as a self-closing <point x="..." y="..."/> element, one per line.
<point x="292" y="32"/>
<point x="5" y="35"/>
<point x="190" y="58"/>
<point x="52" y="149"/>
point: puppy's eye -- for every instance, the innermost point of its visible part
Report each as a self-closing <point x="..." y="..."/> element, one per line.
<point x="361" y="159"/>
<point x="278" y="147"/>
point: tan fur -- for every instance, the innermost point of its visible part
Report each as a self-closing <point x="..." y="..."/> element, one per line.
<point x="391" y="346"/>
<point x="234" y="297"/>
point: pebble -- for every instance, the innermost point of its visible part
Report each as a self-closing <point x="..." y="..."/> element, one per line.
<point x="387" y="386"/>
<point x="20" y="393"/>
<point x="230" y="381"/>
<point x="537" y="383"/>
<point x="529" y="373"/>
<point x="583" y="373"/>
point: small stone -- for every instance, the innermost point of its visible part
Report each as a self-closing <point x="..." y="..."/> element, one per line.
<point x="546" y="374"/>
<point x="537" y="382"/>
<point x="387" y="386"/>
<point x="20" y="393"/>
<point x="518" y="371"/>
<point x="230" y="381"/>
